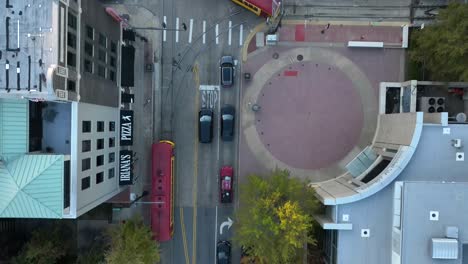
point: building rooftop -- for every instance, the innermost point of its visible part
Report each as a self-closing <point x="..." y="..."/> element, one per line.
<point x="28" y="46"/>
<point x="434" y="160"/>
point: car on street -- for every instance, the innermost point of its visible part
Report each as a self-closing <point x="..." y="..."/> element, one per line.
<point x="223" y="252"/>
<point x="227" y="71"/>
<point x="205" y="125"/>
<point x="226" y="184"/>
<point x="228" y="113"/>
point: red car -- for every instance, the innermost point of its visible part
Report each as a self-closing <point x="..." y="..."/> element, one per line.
<point x="226" y="182"/>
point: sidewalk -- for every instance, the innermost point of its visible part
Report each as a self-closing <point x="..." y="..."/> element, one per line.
<point x="146" y="108"/>
<point x="318" y="98"/>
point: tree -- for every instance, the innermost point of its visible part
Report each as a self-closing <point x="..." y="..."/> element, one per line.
<point x="442" y="48"/>
<point x="131" y="242"/>
<point x="274" y="219"/>
<point x="47" y="245"/>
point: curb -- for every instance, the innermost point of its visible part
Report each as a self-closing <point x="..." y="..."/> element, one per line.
<point x="258" y="28"/>
<point x="345" y="23"/>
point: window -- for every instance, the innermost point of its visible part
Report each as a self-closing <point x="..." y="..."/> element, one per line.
<point x="112" y="61"/>
<point x="88" y="66"/>
<point x="86" y="126"/>
<point x="85" y="164"/>
<point x="71" y="85"/>
<point x="113" y="47"/>
<point x="71" y="59"/>
<point x="99" y="177"/>
<point x="88" y="48"/>
<point x="89" y="32"/>
<point x="111" y="157"/>
<point x="72" y="21"/>
<point x="100" y="143"/>
<point x="102" y="40"/>
<point x="85" y="183"/>
<point x="100" y="126"/>
<point x="102" y="55"/>
<point x="111" y="126"/>
<point x="71" y="40"/>
<point x="111" y="173"/>
<point x="112" y="75"/>
<point x="102" y="71"/>
<point x="111" y="142"/>
<point x="99" y="160"/>
<point x="85" y="145"/>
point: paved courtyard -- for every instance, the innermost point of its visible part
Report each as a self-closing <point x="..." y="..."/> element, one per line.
<point x="318" y="101"/>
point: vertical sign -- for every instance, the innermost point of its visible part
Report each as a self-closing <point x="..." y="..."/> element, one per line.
<point x="126" y="127"/>
<point x="125" y="167"/>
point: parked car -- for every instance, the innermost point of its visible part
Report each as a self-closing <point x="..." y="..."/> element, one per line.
<point x="205" y="125"/>
<point x="226" y="184"/>
<point x="228" y="113"/>
<point x="227" y="71"/>
<point x="223" y="252"/>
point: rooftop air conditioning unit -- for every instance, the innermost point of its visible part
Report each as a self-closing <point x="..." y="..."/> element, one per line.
<point x="432" y="104"/>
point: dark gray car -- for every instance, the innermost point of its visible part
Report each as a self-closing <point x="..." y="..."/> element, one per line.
<point x="205" y="125"/>
<point x="227" y="71"/>
<point x="228" y="113"/>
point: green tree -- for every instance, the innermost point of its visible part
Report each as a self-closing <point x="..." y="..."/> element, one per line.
<point x="442" y="48"/>
<point x="131" y="242"/>
<point x="47" y="245"/>
<point x="274" y="219"/>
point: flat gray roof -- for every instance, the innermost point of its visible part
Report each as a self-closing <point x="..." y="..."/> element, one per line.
<point x="27" y="36"/>
<point x="419" y="199"/>
<point x="433" y="161"/>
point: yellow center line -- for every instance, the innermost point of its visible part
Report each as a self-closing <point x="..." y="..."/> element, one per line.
<point x="184" y="236"/>
<point x="195" y="167"/>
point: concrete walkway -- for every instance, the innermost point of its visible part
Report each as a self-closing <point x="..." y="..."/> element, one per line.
<point x="318" y="106"/>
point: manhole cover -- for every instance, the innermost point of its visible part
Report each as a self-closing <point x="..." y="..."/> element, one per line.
<point x="275" y="55"/>
<point x="300" y="57"/>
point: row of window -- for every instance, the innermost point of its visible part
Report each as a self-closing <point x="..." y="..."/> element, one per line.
<point x="86" y="181"/>
<point x="86" y="144"/>
<point x="106" y="64"/>
<point x="86" y="126"/>
<point x="86" y="163"/>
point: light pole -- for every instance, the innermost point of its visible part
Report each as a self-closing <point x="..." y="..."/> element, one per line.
<point x="136" y="200"/>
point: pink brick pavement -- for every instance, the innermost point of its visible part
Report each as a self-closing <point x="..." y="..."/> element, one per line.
<point x="340" y="33"/>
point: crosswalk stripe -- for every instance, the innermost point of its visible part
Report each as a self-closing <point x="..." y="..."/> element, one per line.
<point x="204" y="31"/>
<point x="177" y="30"/>
<point x="190" y="32"/>
<point x="230" y="31"/>
<point x="241" y="31"/>
<point x="164" y="31"/>
<point x="216" y="31"/>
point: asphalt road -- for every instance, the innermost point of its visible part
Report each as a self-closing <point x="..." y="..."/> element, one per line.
<point x="189" y="59"/>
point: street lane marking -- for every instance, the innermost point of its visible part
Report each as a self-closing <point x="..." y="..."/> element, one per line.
<point x="216" y="32"/>
<point x="164" y="31"/>
<point x="195" y="165"/>
<point x="190" y="31"/>
<point x="204" y="31"/>
<point x="177" y="30"/>
<point x="241" y="29"/>
<point x="230" y="31"/>
<point x="216" y="232"/>
<point x="184" y="236"/>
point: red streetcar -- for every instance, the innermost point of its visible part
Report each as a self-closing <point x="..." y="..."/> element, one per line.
<point x="265" y="8"/>
<point x="162" y="190"/>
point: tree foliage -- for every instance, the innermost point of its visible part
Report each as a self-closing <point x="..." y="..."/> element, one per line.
<point x="47" y="245"/>
<point x="131" y="242"/>
<point x="274" y="220"/>
<point x="443" y="46"/>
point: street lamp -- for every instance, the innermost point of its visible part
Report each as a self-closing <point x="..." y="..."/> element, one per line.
<point x="136" y="199"/>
